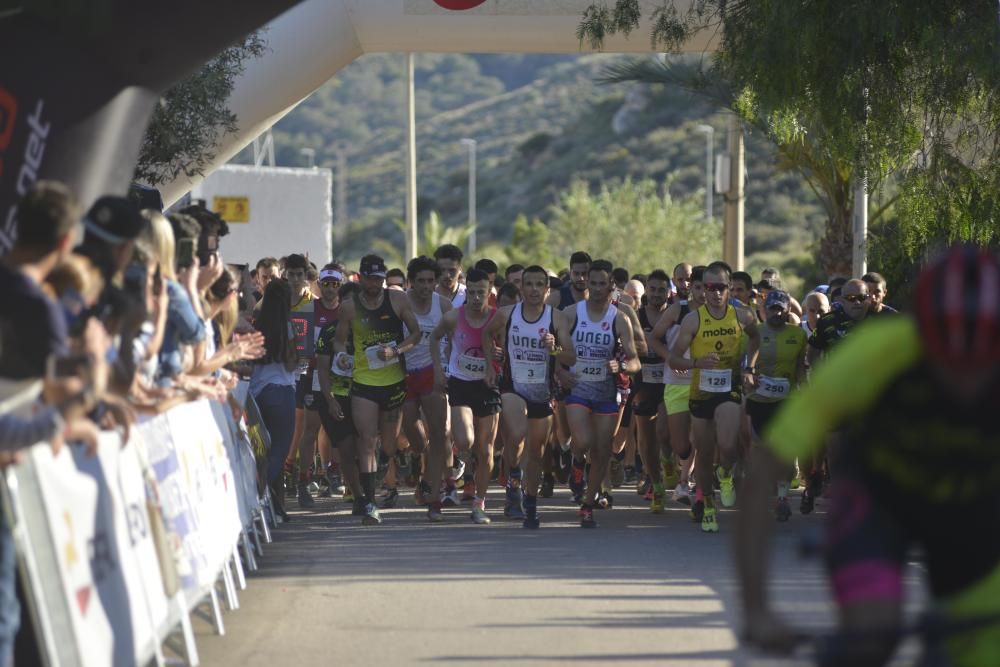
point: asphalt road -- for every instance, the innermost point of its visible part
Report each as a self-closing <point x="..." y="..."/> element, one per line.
<point x="640" y="589"/>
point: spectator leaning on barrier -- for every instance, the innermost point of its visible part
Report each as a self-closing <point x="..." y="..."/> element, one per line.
<point x="34" y="346"/>
<point x="184" y="324"/>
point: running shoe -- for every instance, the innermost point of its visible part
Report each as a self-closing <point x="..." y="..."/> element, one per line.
<point x="469" y="491"/>
<point x="530" y="513"/>
<point x="348" y="496"/>
<point x="357" y="507"/>
<point x="450" y="498"/>
<point x="656" y="505"/>
<point x="630" y="474"/>
<point x="576" y="483"/>
<point x="587" y="517"/>
<point x="782" y="511"/>
<point x="727" y="488"/>
<point x="565" y="467"/>
<point x="648" y="495"/>
<point x="697" y="511"/>
<point x="422" y="494"/>
<point x="459" y="469"/>
<point x="682" y="494"/>
<point x="605" y="500"/>
<point x="305" y="498"/>
<point x="669" y="471"/>
<point x="371" y="517"/>
<point x="479" y="516"/>
<point x="617" y="473"/>
<point x="434" y="514"/>
<point x="807" y="503"/>
<point x="645" y="487"/>
<point x="709" y="521"/>
<point x="531" y="522"/>
<point x="391" y="497"/>
<point x="548" y="486"/>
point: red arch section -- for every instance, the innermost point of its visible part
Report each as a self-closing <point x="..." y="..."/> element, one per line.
<point x="459" y="5"/>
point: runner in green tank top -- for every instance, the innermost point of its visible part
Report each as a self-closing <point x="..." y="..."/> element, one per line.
<point x="374" y="319"/>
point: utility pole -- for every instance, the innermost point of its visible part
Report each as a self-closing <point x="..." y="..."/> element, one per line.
<point x="471" y="145"/>
<point x="732" y="236"/>
<point x="709" y="133"/>
<point x="411" y="163"/>
<point x="340" y="222"/>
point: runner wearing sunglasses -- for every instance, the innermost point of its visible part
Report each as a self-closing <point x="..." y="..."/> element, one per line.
<point x="714" y="335"/>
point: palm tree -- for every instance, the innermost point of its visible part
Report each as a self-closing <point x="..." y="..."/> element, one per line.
<point x="434" y="235"/>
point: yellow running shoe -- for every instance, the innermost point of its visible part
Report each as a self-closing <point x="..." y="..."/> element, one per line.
<point x="656" y="504"/>
<point x="727" y="490"/>
<point x="709" y="522"/>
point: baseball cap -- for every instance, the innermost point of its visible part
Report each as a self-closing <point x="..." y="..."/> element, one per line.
<point x="331" y="274"/>
<point x="372" y="266"/>
<point x="777" y="298"/>
<point x="114" y="220"/>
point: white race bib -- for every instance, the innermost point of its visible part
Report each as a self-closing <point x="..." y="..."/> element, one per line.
<point x="652" y="373"/>
<point x="474" y="367"/>
<point x="591" y="370"/>
<point x="337" y="370"/>
<point x="528" y="372"/>
<point x="315" y="384"/>
<point x="770" y="387"/>
<point x="716" y="380"/>
<point x="376" y="362"/>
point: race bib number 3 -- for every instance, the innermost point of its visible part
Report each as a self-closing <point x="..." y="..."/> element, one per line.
<point x="374" y="361"/>
<point x="473" y="366"/>
<point x="770" y="387"/>
<point x="652" y="373"/>
<point x="716" y="380"/>
<point x="589" y="370"/>
<point x="528" y="372"/>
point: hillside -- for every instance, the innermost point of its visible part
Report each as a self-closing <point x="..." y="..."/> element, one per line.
<point x="540" y="122"/>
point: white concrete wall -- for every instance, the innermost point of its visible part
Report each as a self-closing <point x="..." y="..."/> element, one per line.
<point x="289" y="211"/>
<point x="311" y="42"/>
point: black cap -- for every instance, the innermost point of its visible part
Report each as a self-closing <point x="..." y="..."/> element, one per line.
<point x="114" y="220"/>
<point x="372" y="266"/>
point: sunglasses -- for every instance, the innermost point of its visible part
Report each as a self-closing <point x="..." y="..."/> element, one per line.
<point x="856" y="298"/>
<point x="716" y="287"/>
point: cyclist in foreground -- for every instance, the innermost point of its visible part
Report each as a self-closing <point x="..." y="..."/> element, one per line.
<point x="920" y="465"/>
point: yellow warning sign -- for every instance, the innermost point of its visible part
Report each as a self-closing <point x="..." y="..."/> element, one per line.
<point x="232" y="209"/>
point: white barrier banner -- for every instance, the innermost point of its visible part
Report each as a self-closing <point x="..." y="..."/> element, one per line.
<point x="96" y="509"/>
<point x="211" y="488"/>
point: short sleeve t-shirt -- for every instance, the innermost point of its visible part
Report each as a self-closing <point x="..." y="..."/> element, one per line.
<point x="32" y="327"/>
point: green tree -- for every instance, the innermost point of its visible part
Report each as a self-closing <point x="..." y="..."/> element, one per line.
<point x="636" y="224"/>
<point x="192" y="116"/>
<point x="882" y="80"/>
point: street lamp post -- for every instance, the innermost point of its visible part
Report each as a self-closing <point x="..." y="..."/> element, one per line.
<point x="471" y="145"/>
<point x="709" y="133"/>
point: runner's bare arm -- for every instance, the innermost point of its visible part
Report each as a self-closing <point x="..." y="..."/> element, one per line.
<point x="553" y="299"/>
<point x="344" y="319"/>
<point x="404" y="310"/>
<point x="749" y="322"/>
<point x="444" y="328"/>
<point x="563" y="324"/>
<point x="658" y="337"/>
<point x="632" y="364"/>
<point x="638" y="335"/>
<point x="689" y="326"/>
<point x="490" y="337"/>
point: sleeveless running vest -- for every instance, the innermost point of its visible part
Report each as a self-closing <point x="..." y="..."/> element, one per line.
<point x="653" y="368"/>
<point x="777" y="362"/>
<point x="725" y="338"/>
<point x="527" y="363"/>
<point x="467" y="361"/>
<point x="566" y="297"/>
<point x="673" y="377"/>
<point x="371" y="329"/>
<point x="420" y="356"/>
<point x="595" y="344"/>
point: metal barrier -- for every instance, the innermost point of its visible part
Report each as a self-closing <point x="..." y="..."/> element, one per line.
<point x="115" y="551"/>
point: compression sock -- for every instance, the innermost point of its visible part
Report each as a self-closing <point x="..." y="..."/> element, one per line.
<point x="530" y="506"/>
<point x="368" y="486"/>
